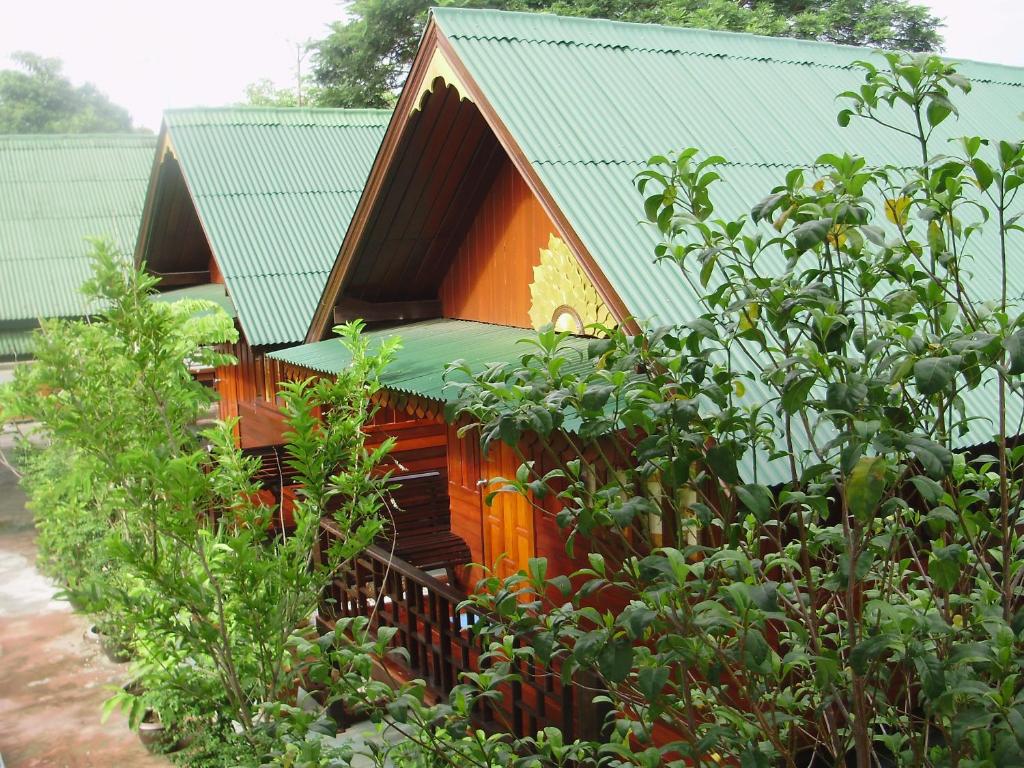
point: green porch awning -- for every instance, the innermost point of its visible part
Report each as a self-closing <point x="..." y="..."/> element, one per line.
<point x="214" y="292"/>
<point x="427" y="349"/>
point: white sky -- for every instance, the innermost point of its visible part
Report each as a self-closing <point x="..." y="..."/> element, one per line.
<point x="147" y="55"/>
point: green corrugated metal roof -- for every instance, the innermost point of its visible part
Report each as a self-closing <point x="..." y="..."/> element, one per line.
<point x="15" y="344"/>
<point x="588" y="101"/>
<point x="624" y="92"/>
<point x="56" y="191"/>
<point x="214" y="292"/>
<point x="275" y="190"/>
<point x="427" y="348"/>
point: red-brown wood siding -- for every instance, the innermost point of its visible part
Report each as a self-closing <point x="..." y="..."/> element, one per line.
<point x="490" y="275"/>
<point x="215" y="273"/>
<point x="463" y="491"/>
<point x="420" y="443"/>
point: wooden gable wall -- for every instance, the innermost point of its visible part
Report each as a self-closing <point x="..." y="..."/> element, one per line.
<point x="490" y="273"/>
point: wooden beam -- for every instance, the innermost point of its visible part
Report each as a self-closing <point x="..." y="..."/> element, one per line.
<point x="348" y="309"/>
<point x="168" y="279"/>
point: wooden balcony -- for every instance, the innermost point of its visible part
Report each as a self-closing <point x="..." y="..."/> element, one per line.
<point x="435" y="625"/>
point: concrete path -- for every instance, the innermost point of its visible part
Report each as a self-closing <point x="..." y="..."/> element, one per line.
<point x="52" y="681"/>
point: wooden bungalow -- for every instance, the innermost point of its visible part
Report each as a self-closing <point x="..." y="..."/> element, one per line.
<point x="503" y="199"/>
<point x="247" y="207"/>
<point x="56" y="192"/>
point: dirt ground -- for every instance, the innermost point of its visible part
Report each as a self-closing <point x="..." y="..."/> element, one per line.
<point x="52" y="680"/>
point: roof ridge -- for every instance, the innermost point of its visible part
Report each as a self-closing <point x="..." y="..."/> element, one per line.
<point x="278" y="193"/>
<point x="250" y="114"/>
<point x="76" y="137"/>
<point x="773" y="43"/>
<point x="262" y="275"/>
<point x="608" y="161"/>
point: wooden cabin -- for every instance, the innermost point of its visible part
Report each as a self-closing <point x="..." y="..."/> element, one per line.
<point x="246" y="207"/>
<point x="56" y="192"/>
<point x="503" y="199"/>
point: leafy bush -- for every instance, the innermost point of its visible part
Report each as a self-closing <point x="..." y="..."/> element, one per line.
<point x="792" y="556"/>
<point x="180" y="553"/>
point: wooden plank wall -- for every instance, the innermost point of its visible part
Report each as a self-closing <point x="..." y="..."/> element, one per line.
<point x="490" y="275"/>
<point x="463" y="492"/>
<point x="421" y="442"/>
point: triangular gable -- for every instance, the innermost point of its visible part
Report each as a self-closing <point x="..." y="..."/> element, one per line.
<point x="443" y="150"/>
<point x="267" y="195"/>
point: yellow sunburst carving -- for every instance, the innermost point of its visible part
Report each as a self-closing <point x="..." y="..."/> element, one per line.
<point x="562" y="294"/>
<point x="439" y="67"/>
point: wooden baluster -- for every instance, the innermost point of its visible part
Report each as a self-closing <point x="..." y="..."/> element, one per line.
<point x="538" y="718"/>
<point x="444" y="631"/>
<point x="433" y="622"/>
<point x="412" y="594"/>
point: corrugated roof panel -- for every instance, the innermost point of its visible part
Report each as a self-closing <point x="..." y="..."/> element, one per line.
<point x="625" y="92"/>
<point x="55" y="193"/>
<point x="275" y="190"/>
<point x="427" y="348"/>
<point x="15" y="345"/>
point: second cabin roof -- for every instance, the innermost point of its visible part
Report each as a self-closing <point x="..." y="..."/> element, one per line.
<point x="275" y="190"/>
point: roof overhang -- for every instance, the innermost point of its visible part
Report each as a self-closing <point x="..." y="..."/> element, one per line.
<point x="427" y="348"/>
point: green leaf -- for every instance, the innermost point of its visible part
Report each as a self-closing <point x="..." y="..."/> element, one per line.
<point x="651" y="680"/>
<point x="595" y="397"/>
<point x="636" y="618"/>
<point x="626" y="512"/>
<point x="615" y="660"/>
<point x="764" y="208"/>
<point x="810" y="234"/>
<point x="865" y="487"/>
<point x="936" y="459"/>
<point x="1014" y="346"/>
<point x="982" y="172"/>
<point x="544" y="646"/>
<point x="722" y="462"/>
<point x="934" y="374"/>
<point x="944" y="566"/>
<point x="868" y="650"/>
<point x="930" y="490"/>
<point x="845" y="397"/>
<point x="939" y="108"/>
<point x="794" y="396"/>
<point x="756" y="498"/>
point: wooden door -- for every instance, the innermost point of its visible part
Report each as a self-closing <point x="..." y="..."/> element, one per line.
<point x="508" y="519"/>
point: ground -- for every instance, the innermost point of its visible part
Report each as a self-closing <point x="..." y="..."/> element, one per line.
<point x="52" y="680"/>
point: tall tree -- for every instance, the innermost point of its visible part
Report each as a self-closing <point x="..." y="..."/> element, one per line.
<point x="39" y="98"/>
<point x="364" y="60"/>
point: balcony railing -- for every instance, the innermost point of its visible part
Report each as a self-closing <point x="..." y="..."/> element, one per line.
<point x="436" y="628"/>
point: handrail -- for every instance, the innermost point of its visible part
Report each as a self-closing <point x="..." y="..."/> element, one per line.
<point x="403" y="568"/>
<point x="435" y="625"/>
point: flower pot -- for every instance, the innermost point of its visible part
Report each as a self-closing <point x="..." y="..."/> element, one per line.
<point x="156" y="738"/>
<point x="152" y="733"/>
<point x="113" y="648"/>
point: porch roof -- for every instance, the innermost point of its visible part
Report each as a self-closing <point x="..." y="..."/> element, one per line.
<point x="427" y="349"/>
<point x="213" y="292"/>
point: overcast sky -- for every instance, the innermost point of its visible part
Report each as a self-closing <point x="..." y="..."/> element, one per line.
<point x="147" y="55"/>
